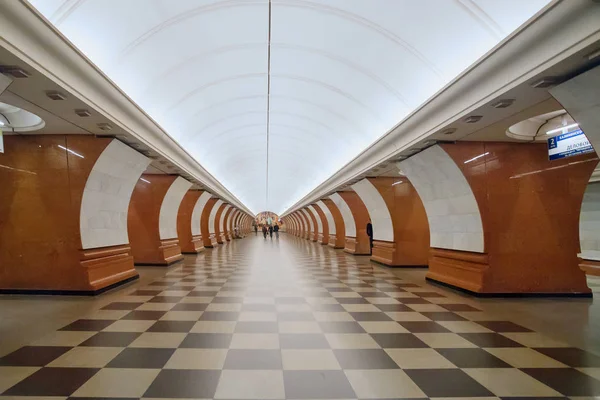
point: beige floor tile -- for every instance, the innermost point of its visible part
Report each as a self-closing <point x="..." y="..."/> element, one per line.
<point x="259" y="300"/>
<point x="533" y="339"/>
<point x="478" y="316"/>
<point x="129" y="326"/>
<point x="382" y="300"/>
<point x="464" y="327"/>
<point x="224" y="307"/>
<point x="444" y="340"/>
<point x="214" y="327"/>
<point x="118" y="382"/>
<point x="299" y="327"/>
<point x="86" y="357"/>
<point x="321" y="300"/>
<point x="345" y="295"/>
<point x="258" y="316"/>
<point x="159" y="340"/>
<point x="108" y="314"/>
<point x="381" y="384"/>
<point x="510" y="382"/>
<point x="10" y="376"/>
<point x="182" y="316"/>
<point x="407" y="316"/>
<point x="259" y="384"/>
<point x="309" y="359"/>
<point x="360" y="308"/>
<point x="174" y="293"/>
<point x="197" y="359"/>
<point x="426" y="308"/>
<point x="419" y="359"/>
<point x="520" y="357"/>
<point x="332" y="316"/>
<point x="444" y="300"/>
<point x="593" y="372"/>
<point x="255" y="341"/>
<point x="382" y="327"/>
<point x="223" y="293"/>
<point x="293" y="308"/>
<point x="156" y="306"/>
<point x="351" y="341"/>
<point x="64" y="338"/>
<point x="200" y="300"/>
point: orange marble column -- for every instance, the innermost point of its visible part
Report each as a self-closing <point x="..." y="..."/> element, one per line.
<point x="219" y="232"/>
<point x="360" y="244"/>
<point x="314" y="233"/>
<point x="188" y="242"/>
<point x="43" y="181"/>
<point x="300" y="225"/>
<point x="409" y="220"/>
<point x="530" y="213"/>
<point x="209" y="239"/>
<point x="144" y="222"/>
<point x="338" y="240"/>
<point x="323" y="237"/>
<point x="227" y="222"/>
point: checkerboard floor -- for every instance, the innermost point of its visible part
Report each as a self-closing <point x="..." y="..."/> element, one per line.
<point x="291" y="319"/>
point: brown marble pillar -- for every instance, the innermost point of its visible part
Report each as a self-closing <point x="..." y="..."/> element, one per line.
<point x="338" y="240"/>
<point x="323" y="237"/>
<point x="358" y="245"/>
<point x="209" y="239"/>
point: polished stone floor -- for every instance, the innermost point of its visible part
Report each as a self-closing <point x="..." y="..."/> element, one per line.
<point x="290" y="319"/>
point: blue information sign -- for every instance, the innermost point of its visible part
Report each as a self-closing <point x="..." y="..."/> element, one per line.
<point x="568" y="144"/>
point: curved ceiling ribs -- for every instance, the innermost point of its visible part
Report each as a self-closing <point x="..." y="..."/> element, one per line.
<point x="307" y="83"/>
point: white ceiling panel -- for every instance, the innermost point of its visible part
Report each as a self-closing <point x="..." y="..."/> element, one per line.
<point x="273" y="97"/>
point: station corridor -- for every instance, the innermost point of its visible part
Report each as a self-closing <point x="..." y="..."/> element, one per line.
<point x="291" y="319"/>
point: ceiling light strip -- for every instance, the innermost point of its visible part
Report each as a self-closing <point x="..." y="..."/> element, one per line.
<point x="268" y="106"/>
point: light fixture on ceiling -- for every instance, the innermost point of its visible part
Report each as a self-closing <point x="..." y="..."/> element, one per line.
<point x="82" y="112"/>
<point x="561" y="129"/>
<point x="55" y="95"/>
<point x="448" y="131"/>
<point x="104" y="126"/>
<point x="473" y="118"/>
<point x="504" y="103"/>
<point x="544" y="82"/>
<point x="593" y="55"/>
<point x="147" y="181"/>
<point x="396" y="183"/>
<point x="14" y="71"/>
<point x="1" y="123"/>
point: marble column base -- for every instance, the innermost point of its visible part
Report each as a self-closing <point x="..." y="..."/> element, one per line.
<point x="352" y="246"/>
<point x="107" y="266"/>
<point x="194" y="246"/>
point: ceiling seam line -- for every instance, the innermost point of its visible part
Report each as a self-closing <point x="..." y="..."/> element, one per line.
<point x="268" y="105"/>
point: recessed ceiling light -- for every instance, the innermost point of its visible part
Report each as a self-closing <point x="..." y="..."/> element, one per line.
<point x="503" y="103"/>
<point x="545" y="82"/>
<point x="104" y="126"/>
<point x="82" y="112"/>
<point x="14" y="71"/>
<point x="448" y="131"/>
<point x="55" y="95"/>
<point x="472" y="119"/>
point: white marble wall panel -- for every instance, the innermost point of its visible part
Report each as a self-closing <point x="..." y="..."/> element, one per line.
<point x="106" y="196"/>
<point x="212" y="216"/>
<point x="222" y="219"/>
<point x="328" y="216"/>
<point x="167" y="220"/>
<point x="381" y="219"/>
<point x="346" y="214"/>
<point x="230" y="225"/>
<point x="311" y="227"/>
<point x="314" y="212"/>
<point x="589" y="223"/>
<point x="452" y="211"/>
<point x="197" y="212"/>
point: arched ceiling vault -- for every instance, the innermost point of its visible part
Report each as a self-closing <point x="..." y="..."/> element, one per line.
<point x="303" y="84"/>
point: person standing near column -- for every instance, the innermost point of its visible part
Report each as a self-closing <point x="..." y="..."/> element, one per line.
<point x="276" y="230"/>
<point x="370" y="234"/>
<point x="271" y="231"/>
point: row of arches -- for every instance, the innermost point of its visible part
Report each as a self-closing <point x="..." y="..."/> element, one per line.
<point x="489" y="218"/>
<point x="78" y="212"/>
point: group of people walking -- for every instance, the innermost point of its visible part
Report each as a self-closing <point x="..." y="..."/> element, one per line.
<point x="269" y="230"/>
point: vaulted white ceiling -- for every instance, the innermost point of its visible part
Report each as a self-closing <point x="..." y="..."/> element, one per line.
<point x="273" y="97"/>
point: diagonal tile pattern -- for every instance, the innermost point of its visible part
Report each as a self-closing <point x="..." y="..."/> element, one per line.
<point x="291" y="319"/>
